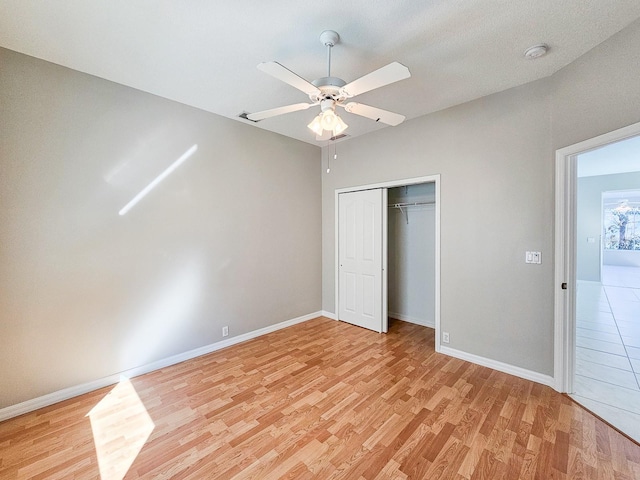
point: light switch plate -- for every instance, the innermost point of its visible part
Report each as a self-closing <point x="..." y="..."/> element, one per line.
<point x="533" y="257"/>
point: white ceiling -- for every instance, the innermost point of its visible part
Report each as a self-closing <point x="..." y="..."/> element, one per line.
<point x="204" y="53"/>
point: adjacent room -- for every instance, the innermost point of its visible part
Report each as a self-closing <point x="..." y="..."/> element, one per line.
<point x="293" y="240"/>
<point x="608" y="283"/>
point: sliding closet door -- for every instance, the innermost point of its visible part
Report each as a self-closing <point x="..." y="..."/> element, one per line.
<point x="361" y="244"/>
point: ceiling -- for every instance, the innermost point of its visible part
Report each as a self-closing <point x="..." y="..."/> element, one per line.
<point x="204" y="53"/>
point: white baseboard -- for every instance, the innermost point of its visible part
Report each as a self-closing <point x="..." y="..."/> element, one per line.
<point x="330" y="315"/>
<point x="410" y="319"/>
<point x="500" y="366"/>
<point x="67" y="393"/>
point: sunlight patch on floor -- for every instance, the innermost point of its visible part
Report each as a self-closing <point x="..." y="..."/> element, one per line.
<point x="121" y="426"/>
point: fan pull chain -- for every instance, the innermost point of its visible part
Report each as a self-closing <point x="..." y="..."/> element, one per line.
<point x="328" y="161"/>
<point x="328" y="166"/>
<point x="335" y="156"/>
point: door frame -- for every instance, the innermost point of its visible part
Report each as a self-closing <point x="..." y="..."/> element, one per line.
<point x="386" y="185"/>
<point x="565" y="252"/>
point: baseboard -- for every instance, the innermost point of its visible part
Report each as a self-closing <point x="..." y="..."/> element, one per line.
<point x="500" y="366"/>
<point x="410" y="319"/>
<point x="330" y="315"/>
<point x="67" y="393"/>
<point x="589" y="282"/>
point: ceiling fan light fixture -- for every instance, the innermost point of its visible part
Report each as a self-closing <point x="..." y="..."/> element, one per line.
<point x="316" y="124"/>
<point x="340" y="126"/>
<point x="329" y="119"/>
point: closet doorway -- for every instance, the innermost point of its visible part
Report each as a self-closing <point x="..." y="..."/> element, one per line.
<point x="409" y="253"/>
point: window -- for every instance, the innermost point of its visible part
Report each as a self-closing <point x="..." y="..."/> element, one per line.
<point x="621" y="217"/>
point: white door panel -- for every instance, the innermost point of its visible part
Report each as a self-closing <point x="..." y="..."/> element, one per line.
<point x="350" y="294"/>
<point x="369" y="296"/>
<point x="360" y="243"/>
<point x="371" y="234"/>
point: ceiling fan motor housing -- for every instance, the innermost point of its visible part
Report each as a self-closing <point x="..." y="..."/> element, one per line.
<point x="329" y="82"/>
<point x="327" y="104"/>
<point x="330" y="88"/>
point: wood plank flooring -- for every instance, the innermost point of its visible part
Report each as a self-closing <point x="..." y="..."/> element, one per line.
<point x="322" y="399"/>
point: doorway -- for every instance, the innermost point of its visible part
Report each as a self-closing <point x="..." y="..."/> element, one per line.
<point x="598" y="316"/>
<point x="390" y="212"/>
<point x="411" y="253"/>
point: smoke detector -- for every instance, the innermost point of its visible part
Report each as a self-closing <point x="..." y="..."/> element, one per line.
<point x="536" y="51"/>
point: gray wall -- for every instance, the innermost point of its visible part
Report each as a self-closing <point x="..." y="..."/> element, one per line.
<point x="598" y="93"/>
<point x="496" y="160"/>
<point x="496" y="199"/>
<point x="232" y="237"/>
<point x="589" y="221"/>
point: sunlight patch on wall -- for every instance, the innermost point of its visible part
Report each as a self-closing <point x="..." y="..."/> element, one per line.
<point x="158" y="179"/>
<point x="158" y="325"/>
<point x="121" y="426"/>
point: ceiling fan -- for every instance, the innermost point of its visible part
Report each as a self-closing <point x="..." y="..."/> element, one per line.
<point x="331" y="92"/>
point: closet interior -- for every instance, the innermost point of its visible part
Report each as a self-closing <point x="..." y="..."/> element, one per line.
<point x="411" y="253"/>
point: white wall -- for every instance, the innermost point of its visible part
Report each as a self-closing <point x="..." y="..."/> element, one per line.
<point x="496" y="160"/>
<point x="411" y="255"/>
<point x="232" y="237"/>
<point x="622" y="258"/>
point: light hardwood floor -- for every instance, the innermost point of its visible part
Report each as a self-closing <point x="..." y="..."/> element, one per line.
<point x="324" y="400"/>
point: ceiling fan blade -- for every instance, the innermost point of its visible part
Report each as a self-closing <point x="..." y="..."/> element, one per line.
<point x="378" y="78"/>
<point x="374" y="113"/>
<point x="284" y="74"/>
<point x="278" y="111"/>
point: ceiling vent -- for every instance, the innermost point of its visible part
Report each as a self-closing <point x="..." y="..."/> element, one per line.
<point x="244" y="116"/>
<point x="338" y="137"/>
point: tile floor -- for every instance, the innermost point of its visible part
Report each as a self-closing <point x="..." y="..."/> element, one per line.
<point x="607" y="375"/>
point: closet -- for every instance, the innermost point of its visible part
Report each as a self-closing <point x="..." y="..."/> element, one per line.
<point x="411" y="251"/>
<point x="387" y="253"/>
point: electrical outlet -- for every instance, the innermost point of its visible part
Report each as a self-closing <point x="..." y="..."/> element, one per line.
<point x="225" y="331"/>
<point x="445" y="337"/>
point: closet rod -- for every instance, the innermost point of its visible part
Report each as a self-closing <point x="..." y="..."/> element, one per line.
<point x="414" y="204"/>
<point x="403" y="206"/>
